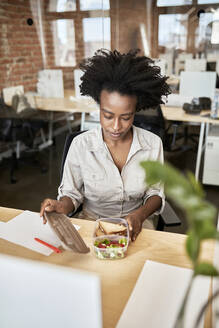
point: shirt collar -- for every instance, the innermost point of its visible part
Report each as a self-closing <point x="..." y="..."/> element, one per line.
<point x="139" y="139"/>
<point x="96" y="143"/>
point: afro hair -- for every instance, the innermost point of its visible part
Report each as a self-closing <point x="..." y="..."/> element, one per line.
<point x="127" y="74"/>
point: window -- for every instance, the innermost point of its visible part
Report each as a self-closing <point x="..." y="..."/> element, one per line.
<point x="202" y="2"/>
<point x="162" y="3"/>
<point x="94" y="4"/>
<point x="173" y="31"/>
<point x="62" y="5"/>
<point x="96" y="33"/>
<point x="208" y="29"/>
<point x="64" y="42"/>
<point x="215" y="33"/>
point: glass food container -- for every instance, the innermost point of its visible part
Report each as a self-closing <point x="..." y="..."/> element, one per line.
<point x="111" y="238"/>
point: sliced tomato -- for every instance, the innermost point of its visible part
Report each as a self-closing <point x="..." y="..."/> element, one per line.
<point x="114" y="242"/>
<point x="101" y="246"/>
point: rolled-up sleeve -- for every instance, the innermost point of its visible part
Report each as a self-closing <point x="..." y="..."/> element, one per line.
<point x="157" y="189"/>
<point x="72" y="182"/>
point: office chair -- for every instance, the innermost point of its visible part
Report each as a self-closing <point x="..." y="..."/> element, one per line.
<point x="167" y="218"/>
<point x="152" y="120"/>
<point x="16" y="129"/>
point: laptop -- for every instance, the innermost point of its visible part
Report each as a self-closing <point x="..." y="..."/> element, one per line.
<point x="36" y="294"/>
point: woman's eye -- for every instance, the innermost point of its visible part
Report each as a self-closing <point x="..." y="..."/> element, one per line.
<point x="126" y="118"/>
<point x="108" y="117"/>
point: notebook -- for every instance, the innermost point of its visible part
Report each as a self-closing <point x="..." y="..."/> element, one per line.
<point x="36" y="294"/>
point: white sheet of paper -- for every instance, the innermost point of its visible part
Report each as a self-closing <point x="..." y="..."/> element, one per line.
<point x="25" y="227"/>
<point x="2" y="228"/>
<point x="158" y="294"/>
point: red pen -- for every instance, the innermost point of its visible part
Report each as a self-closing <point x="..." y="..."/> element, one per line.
<point x="55" y="249"/>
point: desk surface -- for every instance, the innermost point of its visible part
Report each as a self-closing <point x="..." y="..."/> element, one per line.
<point x="118" y="277"/>
<point x="66" y="104"/>
<point x="178" y="114"/>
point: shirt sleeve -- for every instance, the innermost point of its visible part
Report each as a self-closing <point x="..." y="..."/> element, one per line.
<point x="72" y="182"/>
<point x="157" y="189"/>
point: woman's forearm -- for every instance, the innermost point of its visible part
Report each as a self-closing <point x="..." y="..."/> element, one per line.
<point x="152" y="205"/>
<point x="67" y="204"/>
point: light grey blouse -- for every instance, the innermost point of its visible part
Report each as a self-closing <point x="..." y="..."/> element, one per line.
<point x="91" y="177"/>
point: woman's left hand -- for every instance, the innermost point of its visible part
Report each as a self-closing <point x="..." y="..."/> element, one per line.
<point x="135" y="221"/>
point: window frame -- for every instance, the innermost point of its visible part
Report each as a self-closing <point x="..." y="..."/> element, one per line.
<point x="181" y="9"/>
<point x="78" y="15"/>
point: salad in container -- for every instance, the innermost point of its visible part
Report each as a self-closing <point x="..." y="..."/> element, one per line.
<point x="111" y="238"/>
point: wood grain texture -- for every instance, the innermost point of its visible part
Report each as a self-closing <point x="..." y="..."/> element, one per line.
<point x="66" y="104"/>
<point x="178" y="114"/>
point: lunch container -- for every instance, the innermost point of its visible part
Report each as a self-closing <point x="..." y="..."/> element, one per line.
<point x="110" y="238"/>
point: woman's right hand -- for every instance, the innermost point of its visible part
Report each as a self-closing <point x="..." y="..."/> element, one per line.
<point x="51" y="205"/>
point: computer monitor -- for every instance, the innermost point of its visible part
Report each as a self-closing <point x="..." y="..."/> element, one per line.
<point x="195" y="65"/>
<point x="197" y="84"/>
<point x="36" y="294"/>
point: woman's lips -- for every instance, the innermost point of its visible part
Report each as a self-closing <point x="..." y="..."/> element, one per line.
<point x="115" y="135"/>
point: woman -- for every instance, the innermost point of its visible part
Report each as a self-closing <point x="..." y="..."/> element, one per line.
<point x="102" y="169"/>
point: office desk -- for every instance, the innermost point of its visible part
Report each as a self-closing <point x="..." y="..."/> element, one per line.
<point x="67" y="106"/>
<point x="118" y="277"/>
<point x="178" y="114"/>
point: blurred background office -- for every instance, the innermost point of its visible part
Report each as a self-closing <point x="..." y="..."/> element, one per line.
<point x="41" y="37"/>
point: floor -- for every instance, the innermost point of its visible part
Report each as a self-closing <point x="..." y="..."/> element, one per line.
<point x="33" y="186"/>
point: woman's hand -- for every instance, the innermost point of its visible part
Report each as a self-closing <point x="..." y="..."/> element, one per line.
<point x="135" y="221"/>
<point x="136" y="218"/>
<point x="63" y="206"/>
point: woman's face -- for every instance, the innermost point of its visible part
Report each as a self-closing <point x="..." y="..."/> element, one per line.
<point x="116" y="114"/>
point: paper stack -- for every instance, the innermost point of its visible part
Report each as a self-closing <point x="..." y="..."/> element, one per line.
<point x="25" y="227"/>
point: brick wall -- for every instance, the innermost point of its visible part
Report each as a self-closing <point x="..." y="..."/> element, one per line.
<point x="21" y="55"/>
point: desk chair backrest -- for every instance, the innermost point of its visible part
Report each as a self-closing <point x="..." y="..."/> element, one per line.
<point x="68" y="142"/>
<point x="151" y="120"/>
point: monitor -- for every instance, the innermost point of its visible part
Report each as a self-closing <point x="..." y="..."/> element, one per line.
<point x="195" y="65"/>
<point x="37" y="294"/>
<point x="197" y="84"/>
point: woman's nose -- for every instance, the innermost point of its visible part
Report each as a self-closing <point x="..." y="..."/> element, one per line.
<point x="116" y="124"/>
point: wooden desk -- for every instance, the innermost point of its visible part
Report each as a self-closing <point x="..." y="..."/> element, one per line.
<point x="178" y="114"/>
<point x="68" y="106"/>
<point x="118" y="277"/>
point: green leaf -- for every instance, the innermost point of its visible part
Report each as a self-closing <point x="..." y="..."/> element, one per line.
<point x="206" y="269"/>
<point x="195" y="184"/>
<point x="205" y="229"/>
<point x="193" y="246"/>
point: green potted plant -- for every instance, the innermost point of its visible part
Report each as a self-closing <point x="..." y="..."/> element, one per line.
<point x="188" y="194"/>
